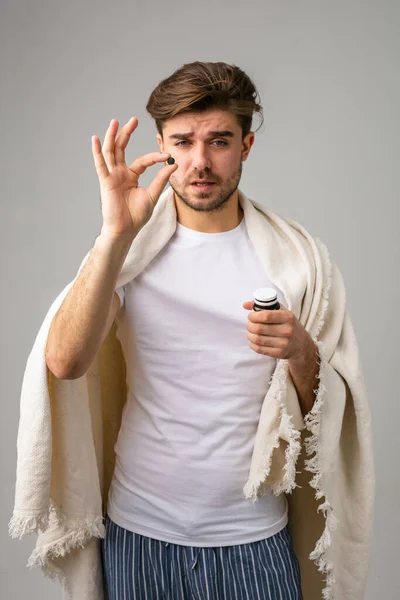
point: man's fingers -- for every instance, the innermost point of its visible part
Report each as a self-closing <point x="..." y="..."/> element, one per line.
<point x="109" y="144"/>
<point x="159" y="182"/>
<point x="148" y="160"/>
<point x="98" y="157"/>
<point x="122" y="140"/>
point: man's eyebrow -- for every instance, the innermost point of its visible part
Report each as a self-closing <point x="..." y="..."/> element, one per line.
<point x="211" y="134"/>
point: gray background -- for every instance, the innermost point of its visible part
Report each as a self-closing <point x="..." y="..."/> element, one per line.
<point x="328" y="77"/>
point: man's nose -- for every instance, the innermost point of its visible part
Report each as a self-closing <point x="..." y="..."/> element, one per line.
<point x="201" y="159"/>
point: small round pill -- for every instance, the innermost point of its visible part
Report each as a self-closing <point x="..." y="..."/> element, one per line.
<point x="171" y="160"/>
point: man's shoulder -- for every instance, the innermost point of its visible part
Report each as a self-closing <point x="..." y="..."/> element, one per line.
<point x="279" y="218"/>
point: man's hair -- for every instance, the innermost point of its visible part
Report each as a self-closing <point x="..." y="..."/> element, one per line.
<point x="200" y="86"/>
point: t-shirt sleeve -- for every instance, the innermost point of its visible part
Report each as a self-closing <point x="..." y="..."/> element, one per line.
<point x="121" y="293"/>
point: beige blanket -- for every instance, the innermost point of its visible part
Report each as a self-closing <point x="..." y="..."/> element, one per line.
<point x="68" y="429"/>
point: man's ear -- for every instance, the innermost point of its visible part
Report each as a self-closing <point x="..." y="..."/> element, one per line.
<point x="160" y="142"/>
<point x="247" y="144"/>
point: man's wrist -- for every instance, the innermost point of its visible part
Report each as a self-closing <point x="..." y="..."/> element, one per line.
<point x="121" y="242"/>
<point x="304" y="371"/>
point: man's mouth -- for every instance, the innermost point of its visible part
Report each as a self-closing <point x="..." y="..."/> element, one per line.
<point x="202" y="185"/>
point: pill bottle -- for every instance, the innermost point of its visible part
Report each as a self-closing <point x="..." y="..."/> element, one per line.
<point x="266" y="298"/>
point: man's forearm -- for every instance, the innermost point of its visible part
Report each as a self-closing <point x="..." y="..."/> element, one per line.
<point x="78" y="327"/>
<point x="304" y="370"/>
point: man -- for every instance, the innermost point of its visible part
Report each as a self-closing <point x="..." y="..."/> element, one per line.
<point x="199" y="360"/>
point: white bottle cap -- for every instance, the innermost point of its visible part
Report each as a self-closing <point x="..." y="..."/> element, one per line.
<point x="265" y="294"/>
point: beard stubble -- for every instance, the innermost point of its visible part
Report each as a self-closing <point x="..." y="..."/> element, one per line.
<point x="216" y="204"/>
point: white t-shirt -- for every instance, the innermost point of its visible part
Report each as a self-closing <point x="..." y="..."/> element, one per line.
<point x="195" y="390"/>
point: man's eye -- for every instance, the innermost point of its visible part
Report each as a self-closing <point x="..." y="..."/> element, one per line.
<point x="217" y="142"/>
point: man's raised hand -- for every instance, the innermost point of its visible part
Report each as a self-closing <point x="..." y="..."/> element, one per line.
<point x="126" y="207"/>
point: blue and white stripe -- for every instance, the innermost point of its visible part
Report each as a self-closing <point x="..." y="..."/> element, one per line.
<point x="140" y="568"/>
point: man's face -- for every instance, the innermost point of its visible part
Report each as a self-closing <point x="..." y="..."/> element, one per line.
<point x="209" y="150"/>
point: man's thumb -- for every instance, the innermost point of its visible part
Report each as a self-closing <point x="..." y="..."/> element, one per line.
<point x="248" y="305"/>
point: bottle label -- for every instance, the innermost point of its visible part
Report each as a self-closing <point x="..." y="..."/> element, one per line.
<point x="259" y="306"/>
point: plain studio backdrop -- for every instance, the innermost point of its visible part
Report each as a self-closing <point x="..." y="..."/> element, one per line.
<point x="327" y="156"/>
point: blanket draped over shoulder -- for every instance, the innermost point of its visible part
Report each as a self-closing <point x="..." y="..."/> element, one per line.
<point x="324" y="462"/>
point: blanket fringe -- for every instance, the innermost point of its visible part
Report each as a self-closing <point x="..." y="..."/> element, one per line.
<point x="318" y="555"/>
<point x="252" y="488"/>
<point x="79" y="533"/>
<point x="288" y="482"/>
<point x="313" y="464"/>
<point x="50" y="571"/>
<point x="20" y="526"/>
<point x="75" y="533"/>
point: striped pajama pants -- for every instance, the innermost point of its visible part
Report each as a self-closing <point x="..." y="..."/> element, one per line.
<point x="140" y="568"/>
